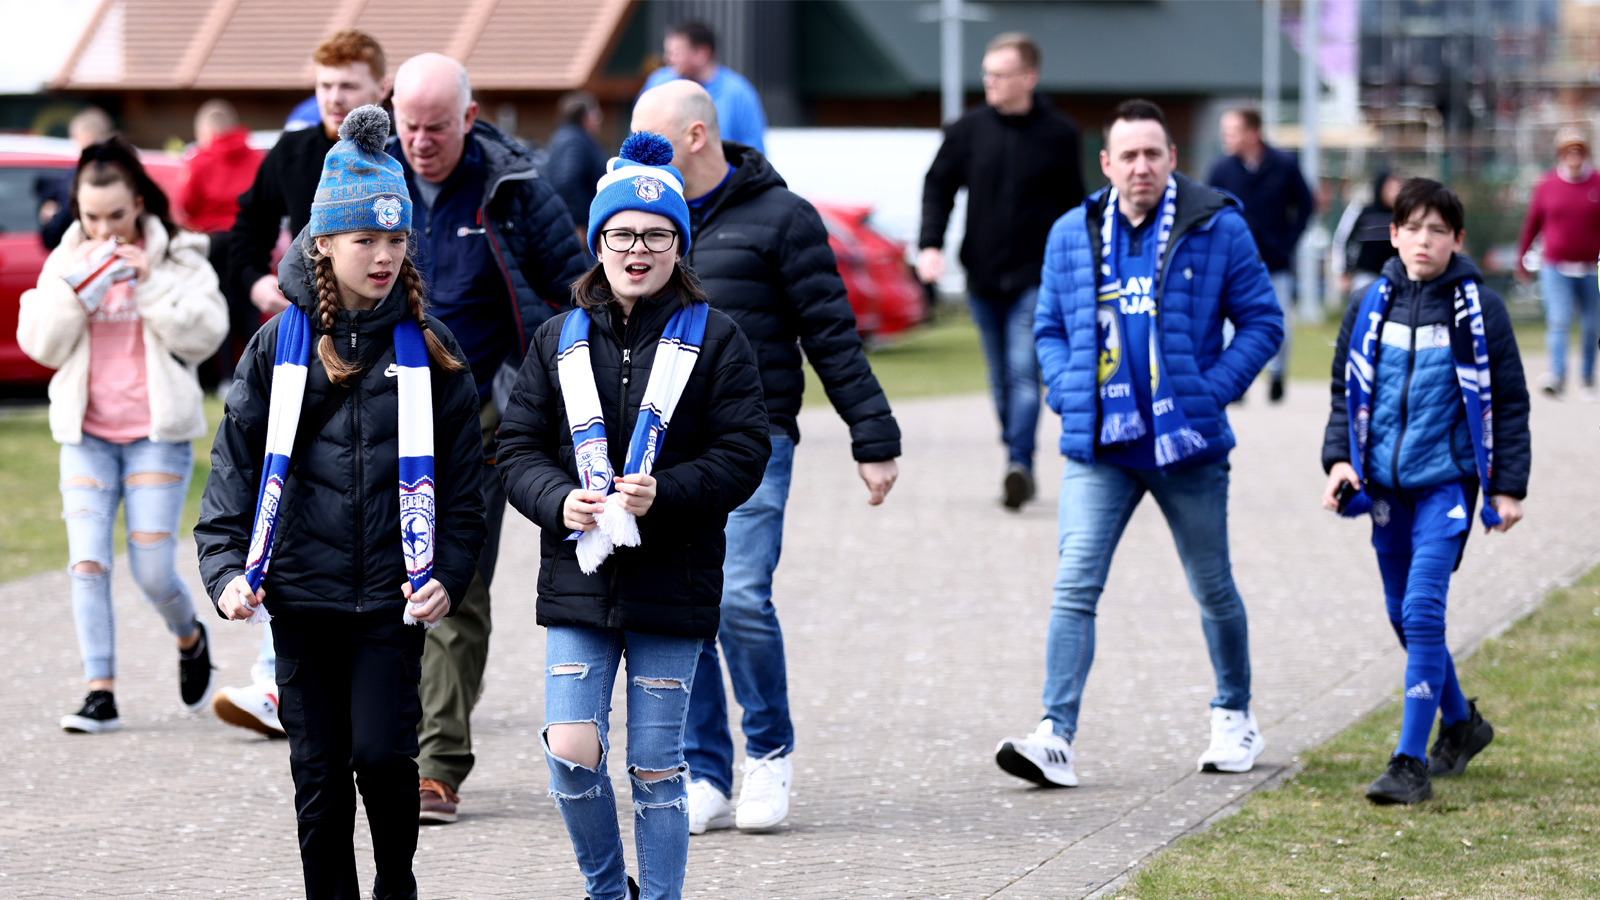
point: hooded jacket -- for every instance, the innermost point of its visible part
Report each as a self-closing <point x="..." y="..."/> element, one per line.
<point x="1418" y="435"/>
<point x="1277" y="202"/>
<point x="338" y="536"/>
<point x="184" y="319"/>
<point x="711" y="460"/>
<point x="1211" y="272"/>
<point x="762" y="255"/>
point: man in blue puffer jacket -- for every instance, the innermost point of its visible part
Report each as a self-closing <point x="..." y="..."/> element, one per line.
<point x="1136" y="285"/>
<point x="1429" y="407"/>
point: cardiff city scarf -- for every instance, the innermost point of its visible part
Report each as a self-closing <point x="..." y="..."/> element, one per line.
<point x="676" y="354"/>
<point x="415" y="439"/>
<point x="1468" y="346"/>
<point x="1121" y="420"/>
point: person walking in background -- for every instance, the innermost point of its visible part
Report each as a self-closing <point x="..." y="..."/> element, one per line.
<point x="1137" y="283"/>
<point x="1362" y="238"/>
<point x="221" y="166"/>
<point x="125" y="307"/>
<point x="1407" y="443"/>
<point x="1021" y="164"/>
<point x="690" y="51"/>
<point x="499" y="253"/>
<point x="644" y="578"/>
<point x="350" y="71"/>
<point x="353" y="424"/>
<point x="576" y="163"/>
<point x="91" y="125"/>
<point x="1565" y="209"/>
<point x="762" y="254"/>
<point x="1277" y="206"/>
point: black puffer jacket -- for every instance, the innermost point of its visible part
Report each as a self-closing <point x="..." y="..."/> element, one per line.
<point x="338" y="539"/>
<point x="711" y="461"/>
<point x="762" y="254"/>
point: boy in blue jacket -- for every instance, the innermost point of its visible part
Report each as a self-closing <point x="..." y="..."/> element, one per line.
<point x="1429" y="406"/>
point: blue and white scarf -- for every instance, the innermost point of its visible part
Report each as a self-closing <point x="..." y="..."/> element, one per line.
<point x="676" y="354"/>
<point x="1470" y="349"/>
<point x="1121" y="420"/>
<point x="415" y="438"/>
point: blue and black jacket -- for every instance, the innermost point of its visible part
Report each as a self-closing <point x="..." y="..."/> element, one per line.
<point x="1418" y="433"/>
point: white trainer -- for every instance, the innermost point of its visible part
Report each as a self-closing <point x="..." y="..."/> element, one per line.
<point x="254" y="707"/>
<point x="1044" y="757"/>
<point x="1235" y="742"/>
<point x="709" y="809"/>
<point x="764" y="795"/>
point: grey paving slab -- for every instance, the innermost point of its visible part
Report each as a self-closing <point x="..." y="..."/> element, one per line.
<point x="916" y="641"/>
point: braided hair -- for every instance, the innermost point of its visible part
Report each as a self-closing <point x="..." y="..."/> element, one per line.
<point x="339" y="369"/>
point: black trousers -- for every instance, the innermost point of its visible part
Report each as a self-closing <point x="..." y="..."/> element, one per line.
<point x="347" y="694"/>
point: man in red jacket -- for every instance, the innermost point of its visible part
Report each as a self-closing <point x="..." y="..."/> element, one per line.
<point x="221" y="166"/>
<point x="1565" y="207"/>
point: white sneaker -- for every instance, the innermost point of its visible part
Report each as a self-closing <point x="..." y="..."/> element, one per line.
<point x="1044" y="757"/>
<point x="708" y="808"/>
<point x="1590" y="394"/>
<point x="764" y="795"/>
<point x="1235" y="742"/>
<point x="1551" y="385"/>
<point x="254" y="707"/>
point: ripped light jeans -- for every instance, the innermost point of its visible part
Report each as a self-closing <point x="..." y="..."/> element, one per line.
<point x="580" y="665"/>
<point x="93" y="481"/>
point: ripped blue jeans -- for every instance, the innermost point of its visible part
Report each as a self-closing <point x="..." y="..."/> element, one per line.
<point x="580" y="665"/>
<point x="94" y="476"/>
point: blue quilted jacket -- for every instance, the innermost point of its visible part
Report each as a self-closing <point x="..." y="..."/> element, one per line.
<point x="1211" y="272"/>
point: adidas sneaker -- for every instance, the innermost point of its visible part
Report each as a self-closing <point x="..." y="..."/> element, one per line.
<point x="1235" y="742"/>
<point x="1044" y="757"/>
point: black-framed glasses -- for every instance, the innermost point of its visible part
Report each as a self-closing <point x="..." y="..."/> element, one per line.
<point x="621" y="240"/>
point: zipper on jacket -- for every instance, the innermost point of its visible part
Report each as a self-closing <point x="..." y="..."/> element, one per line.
<point x="355" y="449"/>
<point x="1405" y="393"/>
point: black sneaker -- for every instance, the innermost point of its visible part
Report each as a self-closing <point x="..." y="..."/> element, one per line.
<point x="1458" y="744"/>
<point x="1275" y="391"/>
<point x="194" y="672"/>
<point x="1406" y="781"/>
<point x="1019" y="486"/>
<point x="98" y="715"/>
<point x="633" y="889"/>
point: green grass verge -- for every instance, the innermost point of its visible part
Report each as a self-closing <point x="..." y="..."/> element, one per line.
<point x="1523" y="821"/>
<point x="32" y="536"/>
<point x="938" y="359"/>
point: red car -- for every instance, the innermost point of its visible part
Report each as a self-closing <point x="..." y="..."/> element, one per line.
<point x="887" y="298"/>
<point x="25" y="161"/>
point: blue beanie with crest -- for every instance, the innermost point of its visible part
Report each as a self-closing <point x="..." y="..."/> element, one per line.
<point x="641" y="178"/>
<point x="362" y="187"/>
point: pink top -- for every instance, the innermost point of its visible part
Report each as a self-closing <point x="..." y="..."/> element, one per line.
<point x="1568" y="213"/>
<point x="119" y="393"/>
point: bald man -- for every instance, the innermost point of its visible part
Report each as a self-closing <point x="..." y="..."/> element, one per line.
<point x="762" y="255"/>
<point x="497" y="248"/>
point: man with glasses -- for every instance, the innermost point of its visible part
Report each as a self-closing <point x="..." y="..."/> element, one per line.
<point x="762" y="255"/>
<point x="499" y="253"/>
<point x="1020" y="163"/>
<point x="1565" y="208"/>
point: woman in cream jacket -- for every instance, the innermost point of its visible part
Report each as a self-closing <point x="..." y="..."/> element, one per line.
<point x="126" y="307"/>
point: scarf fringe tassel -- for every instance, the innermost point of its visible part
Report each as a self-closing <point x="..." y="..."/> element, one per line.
<point x="1121" y="427"/>
<point x="614" y="527"/>
<point x="1177" y="445"/>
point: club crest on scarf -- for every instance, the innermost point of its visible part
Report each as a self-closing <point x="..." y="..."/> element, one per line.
<point x="266" y="520"/>
<point x="594" y="465"/>
<point x="1105" y="316"/>
<point x="416" y="526"/>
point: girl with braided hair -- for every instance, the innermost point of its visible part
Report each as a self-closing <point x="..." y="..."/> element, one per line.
<point x="344" y="508"/>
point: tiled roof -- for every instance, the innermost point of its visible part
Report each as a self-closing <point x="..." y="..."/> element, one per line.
<point x="266" y="44"/>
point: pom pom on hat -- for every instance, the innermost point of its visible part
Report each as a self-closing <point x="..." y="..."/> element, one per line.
<point x="647" y="149"/>
<point x="367" y="127"/>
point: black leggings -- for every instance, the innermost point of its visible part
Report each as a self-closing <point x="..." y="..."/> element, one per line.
<point x="347" y="694"/>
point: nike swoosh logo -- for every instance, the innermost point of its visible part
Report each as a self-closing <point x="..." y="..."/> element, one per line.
<point x="392" y="371"/>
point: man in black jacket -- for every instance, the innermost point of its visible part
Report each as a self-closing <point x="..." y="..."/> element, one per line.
<point x="762" y="255"/>
<point x="499" y="253"/>
<point x="1020" y="163"/>
<point x="351" y="71"/>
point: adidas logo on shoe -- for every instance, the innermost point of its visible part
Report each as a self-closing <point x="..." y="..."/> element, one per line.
<point x="1419" y="691"/>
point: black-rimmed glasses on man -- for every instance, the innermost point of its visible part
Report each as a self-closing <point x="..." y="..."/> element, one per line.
<point x="621" y="240"/>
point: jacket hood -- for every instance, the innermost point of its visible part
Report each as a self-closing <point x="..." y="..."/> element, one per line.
<point x="297" y="280"/>
<point x="1197" y="203"/>
<point x="752" y="174"/>
<point x="1461" y="266"/>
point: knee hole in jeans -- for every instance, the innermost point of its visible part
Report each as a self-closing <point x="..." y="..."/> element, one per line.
<point x="577" y="742"/>
<point x="657" y="774"/>
<point x="88" y="567"/>
<point x="143" y="479"/>
<point x="148" y="538"/>
<point x="658" y="683"/>
<point x="84" y="481"/>
<point x="578" y="669"/>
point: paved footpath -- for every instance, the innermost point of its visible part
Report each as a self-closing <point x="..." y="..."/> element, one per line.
<point x="916" y="641"/>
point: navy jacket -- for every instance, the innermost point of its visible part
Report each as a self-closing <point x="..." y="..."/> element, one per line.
<point x="1211" y="272"/>
<point x="1418" y="435"/>
<point x="574" y="165"/>
<point x="1277" y="203"/>
<point x="499" y="251"/>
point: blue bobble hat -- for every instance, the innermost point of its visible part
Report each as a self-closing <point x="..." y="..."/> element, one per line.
<point x="640" y="178"/>
<point x="362" y="187"/>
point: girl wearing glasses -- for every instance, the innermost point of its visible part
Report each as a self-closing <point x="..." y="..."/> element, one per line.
<point x="635" y="427"/>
